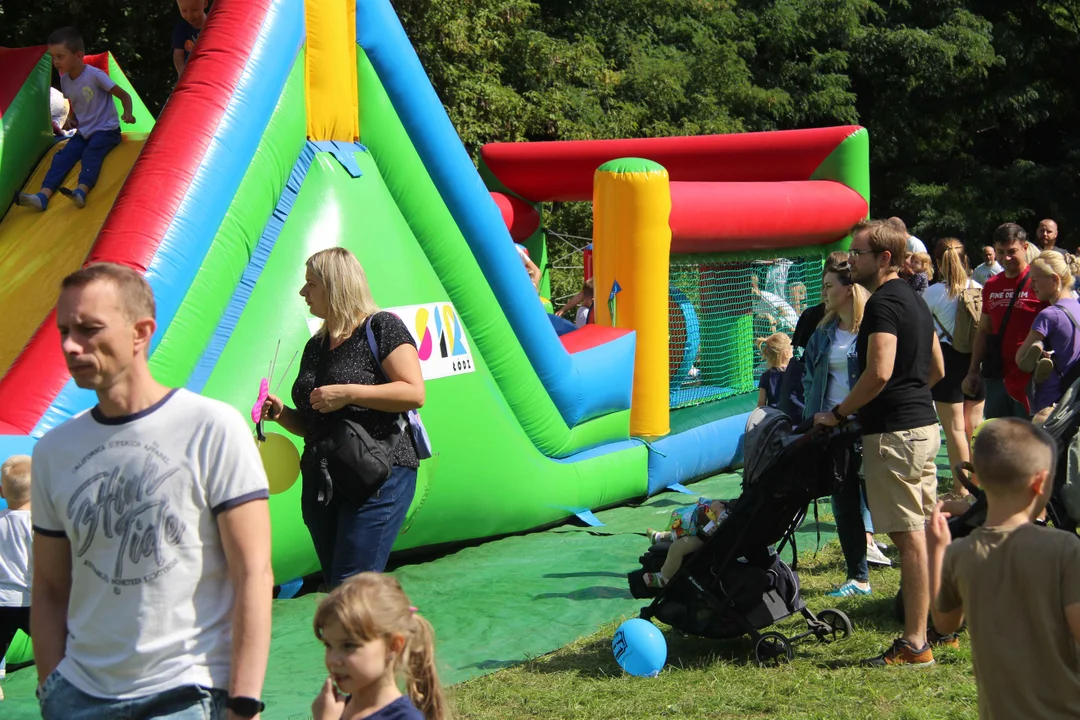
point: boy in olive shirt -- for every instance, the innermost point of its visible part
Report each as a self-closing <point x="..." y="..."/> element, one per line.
<point x="1017" y="583"/>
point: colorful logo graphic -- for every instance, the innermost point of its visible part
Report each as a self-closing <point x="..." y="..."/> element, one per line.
<point x="440" y="339"/>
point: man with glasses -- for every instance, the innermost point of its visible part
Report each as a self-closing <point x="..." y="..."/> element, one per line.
<point x="899" y="360"/>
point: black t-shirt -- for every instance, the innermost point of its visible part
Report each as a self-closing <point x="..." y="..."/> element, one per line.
<point x="770" y="382"/>
<point x="905" y="401"/>
<point x="184" y="36"/>
<point x="351" y="363"/>
<point x="807" y="324"/>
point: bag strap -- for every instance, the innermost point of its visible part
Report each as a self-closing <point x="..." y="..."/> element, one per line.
<point x="374" y="347"/>
<point x="1016" y="293"/>
<point x="948" y="335"/>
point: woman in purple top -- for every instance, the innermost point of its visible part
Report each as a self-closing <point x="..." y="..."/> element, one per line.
<point x="1052" y="347"/>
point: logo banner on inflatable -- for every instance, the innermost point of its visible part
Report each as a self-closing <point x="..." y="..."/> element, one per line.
<point x="440" y="339"/>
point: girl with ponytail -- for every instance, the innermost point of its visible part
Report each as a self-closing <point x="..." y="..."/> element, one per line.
<point x="373" y="636"/>
<point x="959" y="414"/>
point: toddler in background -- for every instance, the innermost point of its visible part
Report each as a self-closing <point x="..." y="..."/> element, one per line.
<point x="688" y="527"/>
<point x="777" y="351"/>
<point x="373" y="634"/>
<point x="16" y="552"/>
<point x="186" y="31"/>
<point x="917" y="271"/>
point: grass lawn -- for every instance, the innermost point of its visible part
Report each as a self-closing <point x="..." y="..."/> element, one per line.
<point x="706" y="678"/>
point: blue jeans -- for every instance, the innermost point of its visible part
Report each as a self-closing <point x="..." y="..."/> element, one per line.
<point x="60" y="700"/>
<point x="852" y="516"/>
<point x="91" y="151"/>
<point x="350" y="538"/>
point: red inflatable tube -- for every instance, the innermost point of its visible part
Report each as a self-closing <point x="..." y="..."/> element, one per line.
<point x="148" y="201"/>
<point x="563" y="171"/>
<point x="16" y="64"/>
<point x="724" y="217"/>
<point x="590" y="336"/>
<point x="520" y="217"/>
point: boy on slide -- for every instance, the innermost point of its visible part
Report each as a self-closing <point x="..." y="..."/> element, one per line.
<point x="90" y="92"/>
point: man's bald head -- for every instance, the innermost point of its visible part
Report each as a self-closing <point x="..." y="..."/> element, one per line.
<point x="1047" y="233"/>
<point x="899" y="225"/>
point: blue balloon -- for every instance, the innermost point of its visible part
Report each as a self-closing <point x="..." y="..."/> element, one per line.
<point x="640" y="648"/>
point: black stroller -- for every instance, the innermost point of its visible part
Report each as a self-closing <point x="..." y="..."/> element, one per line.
<point x="736" y="584"/>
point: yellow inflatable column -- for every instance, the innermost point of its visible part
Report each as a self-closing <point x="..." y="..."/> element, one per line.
<point x="631" y="259"/>
<point x="330" y="70"/>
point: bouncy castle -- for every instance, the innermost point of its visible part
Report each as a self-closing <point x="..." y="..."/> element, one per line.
<point x="301" y="125"/>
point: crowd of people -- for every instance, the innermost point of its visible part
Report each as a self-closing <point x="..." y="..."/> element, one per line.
<point x="913" y="361"/>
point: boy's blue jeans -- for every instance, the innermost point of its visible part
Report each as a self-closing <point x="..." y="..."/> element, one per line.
<point x="60" y="700"/>
<point x="90" y="151"/>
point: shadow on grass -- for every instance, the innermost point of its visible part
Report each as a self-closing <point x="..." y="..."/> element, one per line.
<point x="596" y="592"/>
<point x="560" y="576"/>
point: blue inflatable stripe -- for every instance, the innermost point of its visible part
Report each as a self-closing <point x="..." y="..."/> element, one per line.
<point x="693" y="340"/>
<point x="192" y="230"/>
<point x="259" y="258"/>
<point x="580" y="389"/>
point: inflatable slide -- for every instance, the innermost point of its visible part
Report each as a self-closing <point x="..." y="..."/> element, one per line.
<point x="304" y="125"/>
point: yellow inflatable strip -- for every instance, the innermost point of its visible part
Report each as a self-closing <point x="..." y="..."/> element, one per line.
<point x="330" y="71"/>
<point x="38" y="249"/>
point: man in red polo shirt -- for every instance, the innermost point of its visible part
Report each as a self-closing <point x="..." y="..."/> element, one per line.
<point x="1006" y="394"/>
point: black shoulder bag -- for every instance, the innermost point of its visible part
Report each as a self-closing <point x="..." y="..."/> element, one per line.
<point x="993" y="367"/>
<point x="351" y="463"/>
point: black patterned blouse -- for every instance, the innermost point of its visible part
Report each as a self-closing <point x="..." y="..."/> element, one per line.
<point x="351" y="363"/>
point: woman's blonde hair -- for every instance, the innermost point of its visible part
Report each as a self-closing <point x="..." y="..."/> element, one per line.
<point x="1066" y="267"/>
<point x="370" y="606"/>
<point x="952" y="265"/>
<point x="775" y="349"/>
<point x="348" y="297"/>
<point x="859" y="296"/>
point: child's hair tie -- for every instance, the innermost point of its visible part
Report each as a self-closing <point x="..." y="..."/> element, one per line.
<point x="413" y="609"/>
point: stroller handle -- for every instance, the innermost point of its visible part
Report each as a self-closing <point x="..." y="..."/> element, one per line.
<point x="850" y="428"/>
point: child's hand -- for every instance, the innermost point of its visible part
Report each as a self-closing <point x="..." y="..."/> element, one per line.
<point x="128" y="118"/>
<point x="937" y="531"/>
<point x="330" y="705"/>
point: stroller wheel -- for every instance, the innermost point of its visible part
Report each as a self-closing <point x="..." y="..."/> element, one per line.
<point x="839" y="625"/>
<point x="773" y="649"/>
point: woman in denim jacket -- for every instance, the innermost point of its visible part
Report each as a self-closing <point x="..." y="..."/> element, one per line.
<point x="832" y="368"/>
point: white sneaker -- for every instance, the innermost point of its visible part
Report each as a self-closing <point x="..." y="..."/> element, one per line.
<point x="874" y="556"/>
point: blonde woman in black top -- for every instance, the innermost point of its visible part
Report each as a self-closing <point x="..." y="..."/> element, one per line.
<point x="338" y="379"/>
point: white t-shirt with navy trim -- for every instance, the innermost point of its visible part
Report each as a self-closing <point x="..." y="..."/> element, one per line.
<point x="137" y="497"/>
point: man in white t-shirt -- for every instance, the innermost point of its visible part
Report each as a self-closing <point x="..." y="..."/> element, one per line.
<point x="152" y="580"/>
<point x="988" y="268"/>
<point x="914" y="244"/>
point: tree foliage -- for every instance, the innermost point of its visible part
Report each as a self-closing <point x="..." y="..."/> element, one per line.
<point x="971" y="104"/>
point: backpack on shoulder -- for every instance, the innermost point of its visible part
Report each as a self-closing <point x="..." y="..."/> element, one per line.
<point x="968" y="314"/>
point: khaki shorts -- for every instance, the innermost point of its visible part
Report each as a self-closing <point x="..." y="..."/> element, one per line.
<point x="901" y="477"/>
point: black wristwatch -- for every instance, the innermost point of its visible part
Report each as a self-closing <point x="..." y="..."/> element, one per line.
<point x="245" y="707"/>
<point x="836" y="414"/>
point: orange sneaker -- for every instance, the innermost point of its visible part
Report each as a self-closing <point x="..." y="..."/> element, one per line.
<point x="902" y="653"/>
<point x="936" y="639"/>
